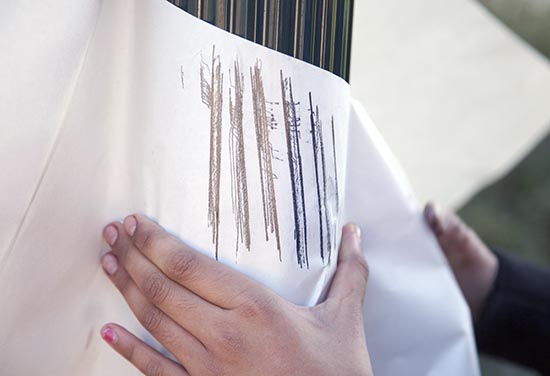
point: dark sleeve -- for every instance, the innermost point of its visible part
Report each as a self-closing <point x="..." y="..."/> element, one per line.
<point x="515" y="322"/>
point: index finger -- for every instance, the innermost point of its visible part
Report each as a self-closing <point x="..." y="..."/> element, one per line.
<point x="206" y="277"/>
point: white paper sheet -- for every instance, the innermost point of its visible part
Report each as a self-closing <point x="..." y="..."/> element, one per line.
<point x="416" y="321"/>
<point x="135" y="136"/>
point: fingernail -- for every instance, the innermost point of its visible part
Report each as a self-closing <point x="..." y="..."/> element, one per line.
<point x="109" y="335"/>
<point x="433" y="215"/>
<point x="109" y="263"/>
<point x="353" y="232"/>
<point x="430" y="214"/>
<point x="110" y="234"/>
<point x="130" y="224"/>
<point x="435" y="220"/>
<point x="357" y="231"/>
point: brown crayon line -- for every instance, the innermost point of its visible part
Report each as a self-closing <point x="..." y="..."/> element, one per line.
<point x="265" y="152"/>
<point x="211" y="95"/>
<point x="239" y="188"/>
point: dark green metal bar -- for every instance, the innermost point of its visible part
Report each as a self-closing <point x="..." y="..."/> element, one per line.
<point x="315" y="31"/>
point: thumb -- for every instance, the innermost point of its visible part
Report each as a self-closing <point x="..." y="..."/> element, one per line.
<point x="352" y="273"/>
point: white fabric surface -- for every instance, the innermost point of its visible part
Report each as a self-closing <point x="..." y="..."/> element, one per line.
<point x="115" y="132"/>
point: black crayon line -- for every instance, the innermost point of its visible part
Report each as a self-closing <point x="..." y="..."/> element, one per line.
<point x="337" y="197"/>
<point x="292" y="123"/>
<point x="335" y="166"/>
<point x="324" y="170"/>
<point x="314" y="142"/>
<point x="321" y="181"/>
<point x="296" y="125"/>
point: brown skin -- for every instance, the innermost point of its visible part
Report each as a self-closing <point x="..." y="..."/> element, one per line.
<point x="473" y="264"/>
<point x="216" y="321"/>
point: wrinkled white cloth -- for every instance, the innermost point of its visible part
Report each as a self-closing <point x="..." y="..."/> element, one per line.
<point x="103" y="116"/>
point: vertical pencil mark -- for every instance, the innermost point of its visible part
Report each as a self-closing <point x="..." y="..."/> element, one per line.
<point x="182" y="76"/>
<point x="336" y="196"/>
<point x="320" y="180"/>
<point x="335" y="166"/>
<point x="211" y="95"/>
<point x="314" y="139"/>
<point x="325" y="198"/>
<point x="316" y="160"/>
<point x="265" y="154"/>
<point x="239" y="188"/>
<point x="292" y="123"/>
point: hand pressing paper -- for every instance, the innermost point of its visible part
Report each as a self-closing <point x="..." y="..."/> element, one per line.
<point x="172" y="289"/>
<point x="252" y="157"/>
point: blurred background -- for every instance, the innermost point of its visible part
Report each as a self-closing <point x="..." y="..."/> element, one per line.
<point x="514" y="212"/>
<point x="460" y="90"/>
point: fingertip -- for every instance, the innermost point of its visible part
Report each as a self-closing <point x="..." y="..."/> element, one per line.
<point x="141" y="355"/>
<point x="352" y="229"/>
<point x="142" y="218"/>
<point x="350" y="245"/>
<point x="110" y="234"/>
<point x="429" y="213"/>
<point x="352" y="271"/>
<point x="109" y="334"/>
<point x="130" y="224"/>
<point x="351" y="241"/>
<point x="142" y="223"/>
<point x="432" y="215"/>
<point x="109" y="262"/>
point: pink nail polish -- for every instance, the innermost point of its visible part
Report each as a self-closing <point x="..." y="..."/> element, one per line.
<point x="109" y="263"/>
<point x="130" y="224"/>
<point x="109" y="335"/>
<point x="110" y="234"/>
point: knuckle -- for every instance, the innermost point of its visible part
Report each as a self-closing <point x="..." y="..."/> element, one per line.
<point x="131" y="354"/>
<point x="154" y="368"/>
<point x="152" y="319"/>
<point x="156" y="288"/>
<point x="186" y="304"/>
<point x="182" y="265"/>
<point x="232" y="342"/>
<point x="258" y="308"/>
<point x="213" y="368"/>
<point x="168" y="338"/>
<point x="150" y="240"/>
